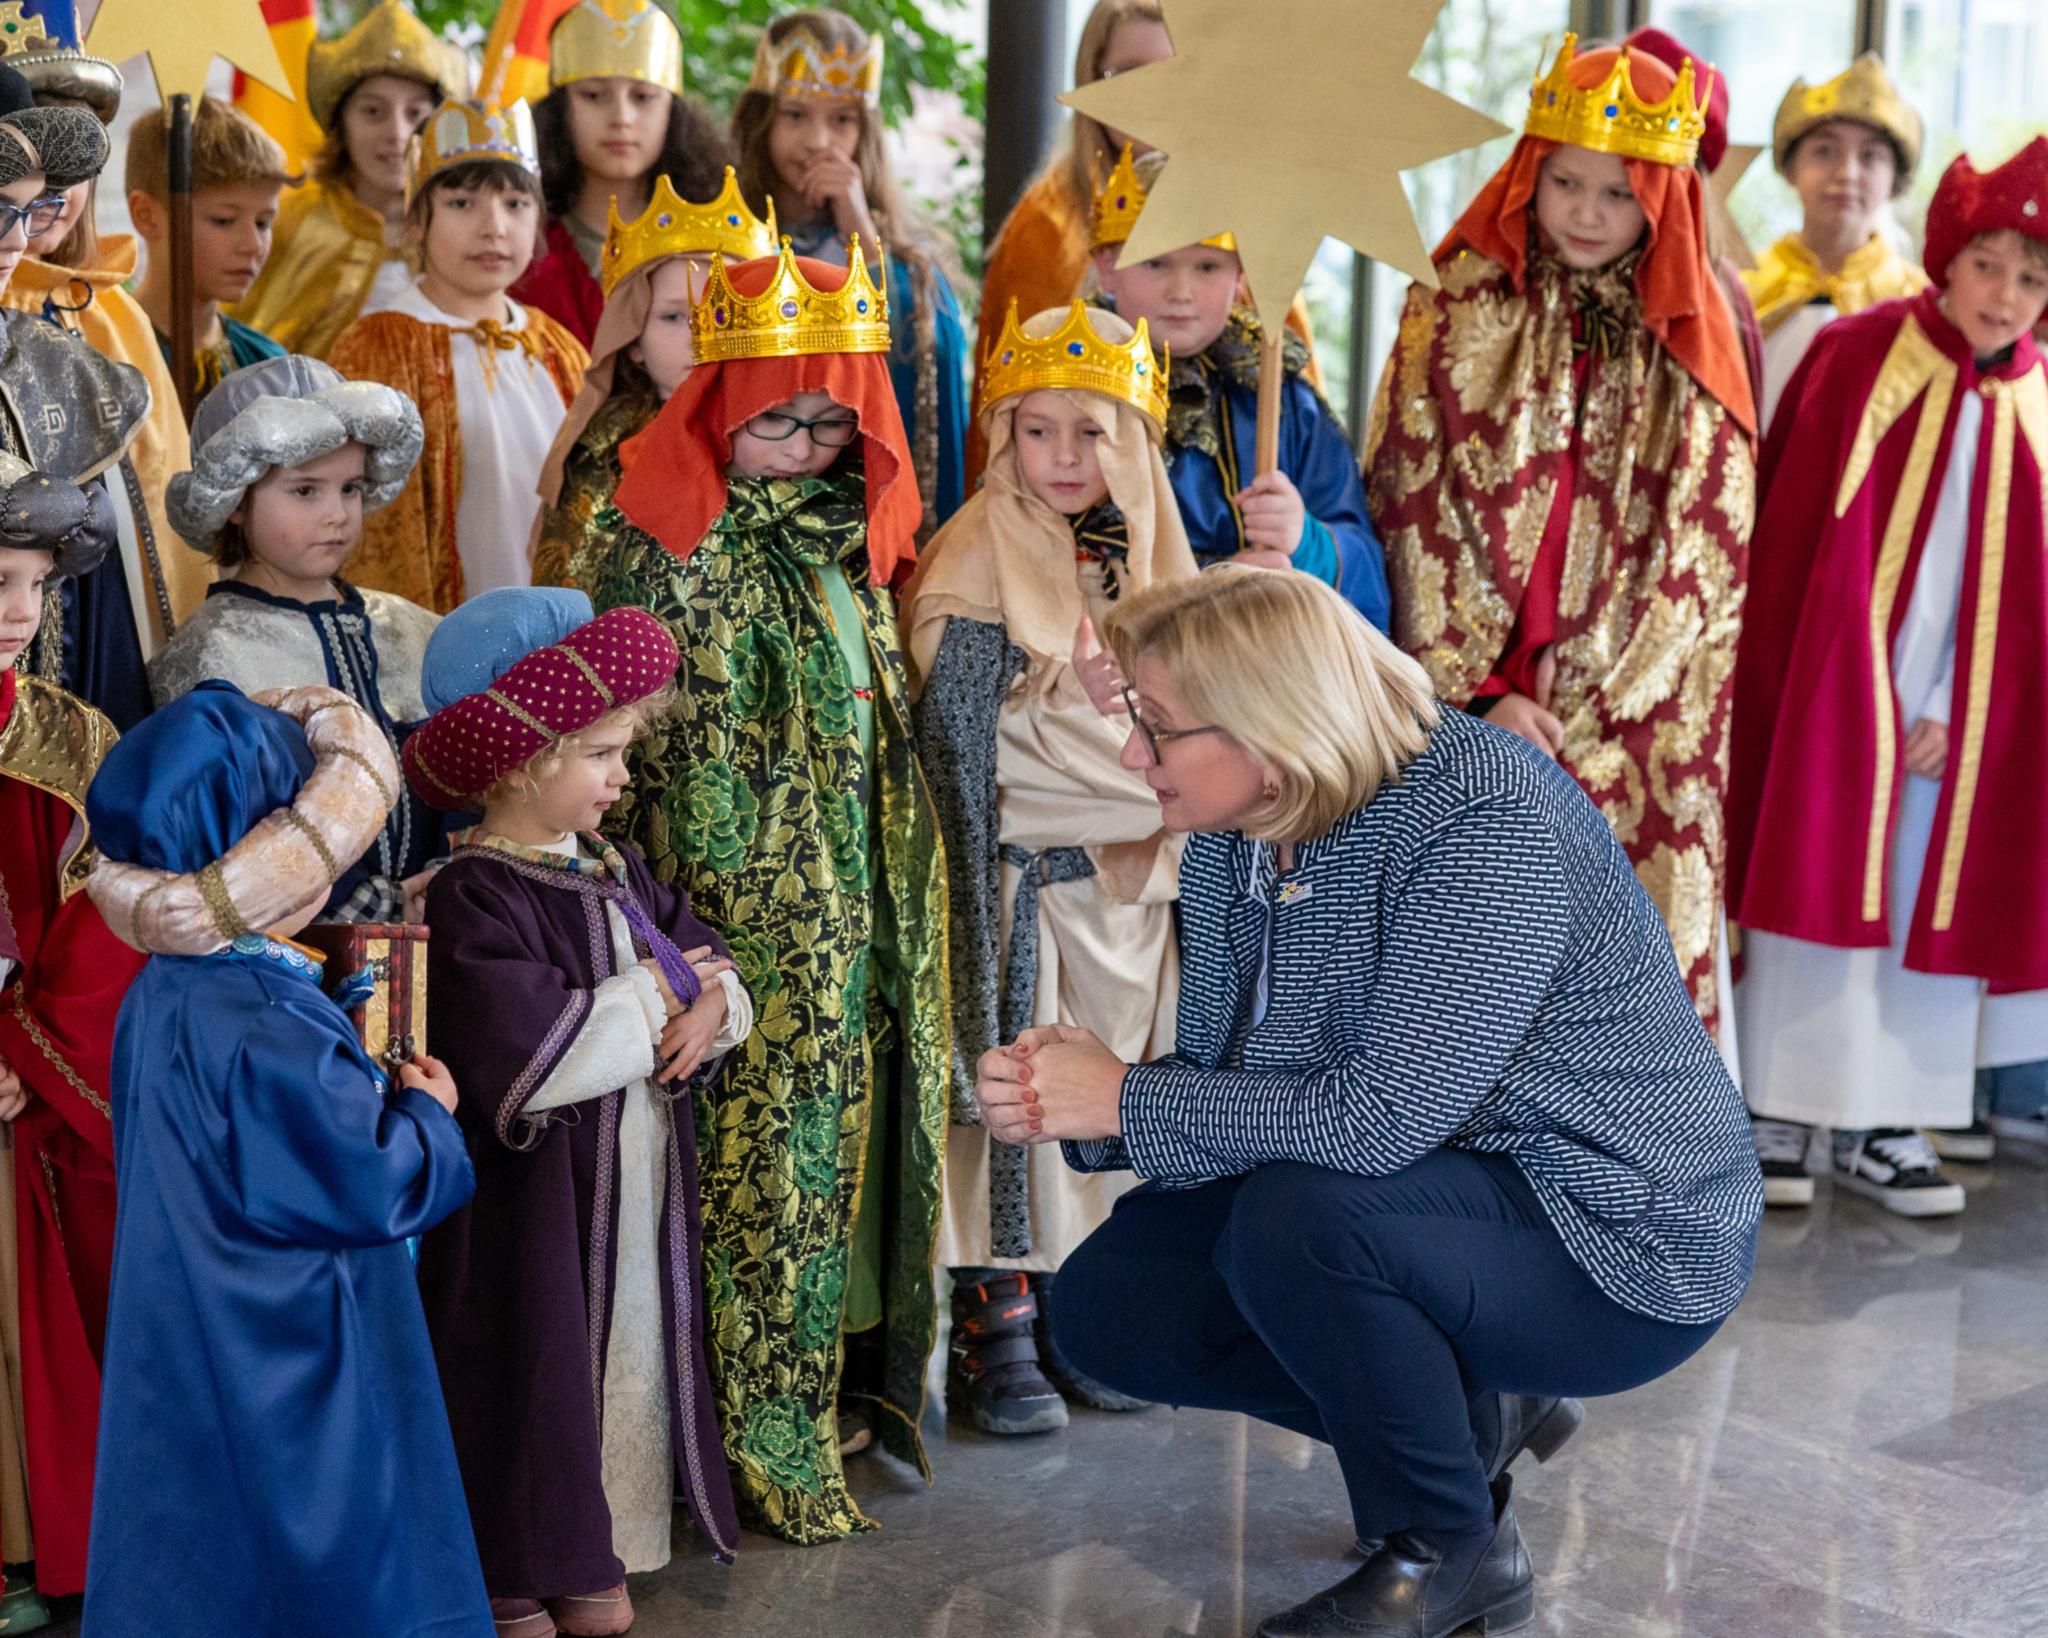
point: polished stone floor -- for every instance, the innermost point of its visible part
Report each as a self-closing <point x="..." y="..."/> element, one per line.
<point x="1861" y="1453"/>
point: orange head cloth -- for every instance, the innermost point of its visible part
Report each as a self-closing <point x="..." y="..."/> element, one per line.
<point x="674" y="484"/>
<point x="1681" y="297"/>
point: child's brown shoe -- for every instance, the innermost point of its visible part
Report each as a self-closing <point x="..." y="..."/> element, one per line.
<point x="593" y="1615"/>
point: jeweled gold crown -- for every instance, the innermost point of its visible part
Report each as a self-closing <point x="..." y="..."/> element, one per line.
<point x="800" y="65"/>
<point x="1611" y="118"/>
<point x="389" y="40"/>
<point x="458" y="132"/>
<point x="1119" y="202"/>
<point x="792" y="317"/>
<point x="672" y="226"/>
<point x="1075" y="358"/>
<point x="629" y="39"/>
<point x="1862" y="92"/>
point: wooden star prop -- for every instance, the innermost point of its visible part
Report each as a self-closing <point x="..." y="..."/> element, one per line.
<point x="1735" y="164"/>
<point x="182" y="40"/>
<point x="1288" y="121"/>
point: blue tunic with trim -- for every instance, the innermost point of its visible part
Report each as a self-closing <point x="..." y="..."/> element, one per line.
<point x="274" y="1457"/>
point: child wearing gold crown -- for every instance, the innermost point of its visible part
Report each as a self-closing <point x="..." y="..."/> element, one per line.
<point x="1045" y="829"/>
<point x="654" y="270"/>
<point x="1562" y="462"/>
<point x="809" y="133"/>
<point x="337" y="248"/>
<point x="614" y="124"/>
<point x="1309" y="513"/>
<point x="1848" y="147"/>
<point x="1893" y="939"/>
<point x="492" y="378"/>
<point x="763" y="516"/>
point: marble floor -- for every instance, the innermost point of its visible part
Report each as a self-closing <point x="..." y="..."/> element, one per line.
<point x="1861" y="1453"/>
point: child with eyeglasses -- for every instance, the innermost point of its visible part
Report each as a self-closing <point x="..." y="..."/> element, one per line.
<point x="763" y="516"/>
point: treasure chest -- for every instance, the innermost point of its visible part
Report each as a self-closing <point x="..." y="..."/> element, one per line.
<point x="377" y="971"/>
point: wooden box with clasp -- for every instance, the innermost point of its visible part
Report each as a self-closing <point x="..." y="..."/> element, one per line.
<point x="392" y="1022"/>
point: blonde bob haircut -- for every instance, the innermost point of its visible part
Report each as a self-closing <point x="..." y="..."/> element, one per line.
<point x="1329" y="707"/>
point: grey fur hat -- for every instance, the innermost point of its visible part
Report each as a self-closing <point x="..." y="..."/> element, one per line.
<point x="42" y="513"/>
<point x="285" y="412"/>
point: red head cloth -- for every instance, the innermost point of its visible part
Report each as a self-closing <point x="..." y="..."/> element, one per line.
<point x="464" y="749"/>
<point x="1969" y="202"/>
<point x="1673" y="55"/>
<point x="674" y="487"/>
<point x="1675" y="280"/>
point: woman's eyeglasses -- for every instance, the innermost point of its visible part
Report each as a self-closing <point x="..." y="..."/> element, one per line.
<point x="38" y="216"/>
<point x="1156" y="737"/>
<point x="772" y="426"/>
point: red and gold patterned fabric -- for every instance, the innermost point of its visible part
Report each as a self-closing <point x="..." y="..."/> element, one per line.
<point x="57" y="1033"/>
<point x="1552" y="479"/>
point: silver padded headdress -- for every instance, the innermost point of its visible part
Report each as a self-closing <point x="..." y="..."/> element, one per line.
<point x="285" y="412"/>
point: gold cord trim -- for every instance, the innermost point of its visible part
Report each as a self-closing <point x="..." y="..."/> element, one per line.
<point x="214" y="890"/>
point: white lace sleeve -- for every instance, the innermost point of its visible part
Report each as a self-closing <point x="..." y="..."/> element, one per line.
<point x="614" y="1048"/>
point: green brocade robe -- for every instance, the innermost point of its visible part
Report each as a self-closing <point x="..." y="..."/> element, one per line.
<point x="797" y="817"/>
<point x="569" y="536"/>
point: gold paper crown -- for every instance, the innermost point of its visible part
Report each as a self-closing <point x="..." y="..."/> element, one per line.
<point x="630" y="39"/>
<point x="672" y="226"/>
<point x="1120" y="201"/>
<point x="1862" y="92"/>
<point x="799" y="64"/>
<point x="1075" y="358"/>
<point x="1611" y="118"/>
<point x="792" y="317"/>
<point x="389" y="40"/>
<point x="459" y="132"/>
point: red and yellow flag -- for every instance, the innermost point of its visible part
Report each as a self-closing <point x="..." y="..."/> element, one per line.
<point x="293" y="25"/>
<point x="516" y="54"/>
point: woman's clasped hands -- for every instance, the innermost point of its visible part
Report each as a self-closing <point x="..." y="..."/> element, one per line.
<point x="1051" y="1085"/>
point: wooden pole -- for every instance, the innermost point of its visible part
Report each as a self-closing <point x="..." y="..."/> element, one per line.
<point x="1272" y="383"/>
<point x="184" y="371"/>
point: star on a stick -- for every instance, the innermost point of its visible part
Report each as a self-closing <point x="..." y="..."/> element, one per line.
<point x="1288" y="121"/>
<point x="181" y="41"/>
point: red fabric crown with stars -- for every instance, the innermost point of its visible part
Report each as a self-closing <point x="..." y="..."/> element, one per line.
<point x="465" y="748"/>
<point x="2013" y="197"/>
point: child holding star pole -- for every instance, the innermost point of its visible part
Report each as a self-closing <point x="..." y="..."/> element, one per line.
<point x="1263" y="470"/>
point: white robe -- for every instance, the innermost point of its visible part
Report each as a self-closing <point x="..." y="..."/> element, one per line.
<point x="1852" y="1039"/>
<point x="508" y="410"/>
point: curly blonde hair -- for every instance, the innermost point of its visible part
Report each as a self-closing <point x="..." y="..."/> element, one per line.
<point x="639" y="718"/>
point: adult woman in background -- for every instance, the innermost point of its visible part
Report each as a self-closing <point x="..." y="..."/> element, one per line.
<point x="1443" y="1137"/>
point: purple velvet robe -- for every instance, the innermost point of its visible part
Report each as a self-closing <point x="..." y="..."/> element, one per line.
<point x="518" y="1285"/>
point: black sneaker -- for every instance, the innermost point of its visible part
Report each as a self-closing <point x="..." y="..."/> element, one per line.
<point x="1898" y="1169"/>
<point x="1975" y="1143"/>
<point x="1781" y="1151"/>
<point x="993" y="1377"/>
<point x="1059" y="1370"/>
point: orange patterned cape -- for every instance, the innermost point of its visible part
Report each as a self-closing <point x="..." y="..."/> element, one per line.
<point x="1484" y="443"/>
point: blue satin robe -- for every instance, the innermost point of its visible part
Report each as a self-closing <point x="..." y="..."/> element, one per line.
<point x="1338" y="545"/>
<point x="274" y="1458"/>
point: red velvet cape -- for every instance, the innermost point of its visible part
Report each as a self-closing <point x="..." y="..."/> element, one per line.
<point x="57" y="1032"/>
<point x="1817" y="754"/>
<point x="561" y="285"/>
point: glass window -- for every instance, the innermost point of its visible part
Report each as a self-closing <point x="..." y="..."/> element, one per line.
<point x="1977" y="71"/>
<point x="1485" y="53"/>
<point x="1762" y="46"/>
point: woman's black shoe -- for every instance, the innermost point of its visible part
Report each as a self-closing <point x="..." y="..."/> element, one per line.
<point x="1539" y="1426"/>
<point x="993" y="1377"/>
<point x="1395" y="1594"/>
